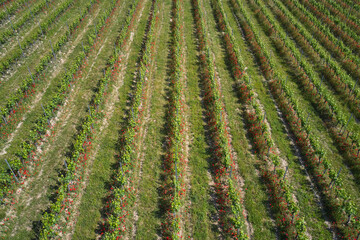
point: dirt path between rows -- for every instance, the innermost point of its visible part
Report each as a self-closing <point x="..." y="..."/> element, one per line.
<point x="240" y="182"/>
<point x="62" y="117"/>
<point x="56" y="71"/>
<point x="22" y="37"/>
<point x="29" y="51"/>
<point x="186" y="219"/>
<point x="109" y="110"/>
<point x="143" y="129"/>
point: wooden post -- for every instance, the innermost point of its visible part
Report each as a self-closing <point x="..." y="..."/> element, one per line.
<point x="82" y="43"/>
<point x="31" y="75"/>
<point x="285" y="172"/>
<point x="322" y="78"/>
<point x="11" y="24"/>
<point x="307" y="119"/>
<point x="52" y="49"/>
<point x="354" y="86"/>
<point x="176" y="174"/>
<point x="346" y="124"/>
<point x="42" y="33"/>
<point x="22" y="51"/>
<point x="43" y="109"/>
<point x="264" y="116"/>
<point x="31" y="12"/>
<point x="333" y="180"/>
<point x="11" y="170"/>
<point x="347" y="135"/>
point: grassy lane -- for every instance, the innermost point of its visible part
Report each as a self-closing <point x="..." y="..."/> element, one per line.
<point x="279" y="132"/>
<point x="345" y="114"/>
<point x="90" y="214"/>
<point x="333" y="27"/>
<point x="268" y="46"/>
<point x="147" y="216"/>
<point x="175" y="185"/>
<point x="337" y="158"/>
<point x="11" y="8"/>
<point x="46" y="88"/>
<point x="338" y="19"/>
<point x="199" y="196"/>
<point x="28" y="27"/>
<point x="48" y="80"/>
<point x="308" y="203"/>
<point x="35" y="197"/>
<point x="244" y="165"/>
<point x="25" y="45"/>
<point x="256" y="199"/>
<point x="285" y="71"/>
<point x="12" y="78"/>
<point x="26" y="21"/>
<point x="334" y="76"/>
<point x="34" y="111"/>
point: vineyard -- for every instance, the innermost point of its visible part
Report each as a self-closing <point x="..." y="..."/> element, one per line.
<point x="180" y="119"/>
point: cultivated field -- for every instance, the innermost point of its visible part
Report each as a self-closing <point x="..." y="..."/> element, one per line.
<point x="180" y="119"/>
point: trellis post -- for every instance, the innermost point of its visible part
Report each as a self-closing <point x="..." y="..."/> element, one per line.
<point x="52" y="49"/>
<point x="22" y="51"/>
<point x="347" y="123"/>
<point x="11" y="170"/>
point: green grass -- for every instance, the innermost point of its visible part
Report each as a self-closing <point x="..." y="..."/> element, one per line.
<point x="46" y="86"/>
<point x="149" y="216"/>
<point x="34" y="52"/>
<point x="48" y="93"/>
<point x="199" y="195"/>
<point x="320" y="130"/>
<point x="307" y="202"/>
<point x="342" y="105"/>
<point x="353" y="127"/>
<point x="32" y="23"/>
<point x="105" y="161"/>
<point x="200" y="216"/>
<point x="36" y="197"/>
<point x="256" y="199"/>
